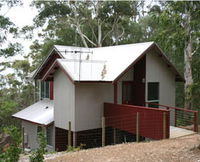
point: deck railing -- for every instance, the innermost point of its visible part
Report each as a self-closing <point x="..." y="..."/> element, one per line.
<point x="147" y="122"/>
<point x="183" y="118"/>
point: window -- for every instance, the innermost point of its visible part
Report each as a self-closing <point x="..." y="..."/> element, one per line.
<point x="50" y="135"/>
<point x="39" y="129"/>
<point x="153" y="93"/>
<point x="44" y="90"/>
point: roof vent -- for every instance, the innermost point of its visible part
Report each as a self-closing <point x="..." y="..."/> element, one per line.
<point x="46" y="107"/>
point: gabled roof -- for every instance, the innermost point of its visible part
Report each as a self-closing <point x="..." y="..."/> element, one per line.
<point x="104" y="63"/>
<point x="39" y="113"/>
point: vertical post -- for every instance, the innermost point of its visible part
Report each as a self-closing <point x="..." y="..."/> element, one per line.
<point x="114" y="135"/>
<point x="164" y="125"/>
<point x="115" y="93"/>
<point x="23" y="139"/>
<point x="137" y="127"/>
<point x="103" y="131"/>
<point x="195" y="122"/>
<point x="69" y="134"/>
<point x="175" y="117"/>
<point x="74" y="139"/>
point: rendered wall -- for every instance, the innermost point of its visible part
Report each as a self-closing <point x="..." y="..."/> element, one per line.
<point x="64" y="101"/>
<point x="90" y="98"/>
<point x="158" y="71"/>
<point x="31" y="130"/>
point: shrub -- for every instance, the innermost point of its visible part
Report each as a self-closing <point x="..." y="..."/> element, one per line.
<point x="38" y="155"/>
<point x="11" y="152"/>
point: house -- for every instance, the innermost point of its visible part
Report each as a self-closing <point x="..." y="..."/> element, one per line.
<point x="74" y="83"/>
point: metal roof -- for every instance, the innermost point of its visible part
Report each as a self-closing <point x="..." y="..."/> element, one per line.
<point x="40" y="113"/>
<point x="99" y="64"/>
<point x="103" y="63"/>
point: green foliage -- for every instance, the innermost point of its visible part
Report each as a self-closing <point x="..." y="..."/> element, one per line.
<point x="38" y="155"/>
<point x="73" y="149"/>
<point x="7" y="108"/>
<point x="12" y="152"/>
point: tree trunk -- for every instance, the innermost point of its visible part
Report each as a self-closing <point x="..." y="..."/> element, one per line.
<point x="99" y="34"/>
<point x="188" y="64"/>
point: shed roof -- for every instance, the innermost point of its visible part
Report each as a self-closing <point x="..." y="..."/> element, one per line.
<point x="102" y="64"/>
<point x="40" y="113"/>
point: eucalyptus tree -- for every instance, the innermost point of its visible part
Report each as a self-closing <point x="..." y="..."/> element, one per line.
<point x="175" y="26"/>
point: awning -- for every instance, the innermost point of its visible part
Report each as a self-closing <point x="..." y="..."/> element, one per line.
<point x="39" y="113"/>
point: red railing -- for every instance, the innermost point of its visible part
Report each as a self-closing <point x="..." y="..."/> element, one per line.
<point x="183" y="118"/>
<point x="153" y="123"/>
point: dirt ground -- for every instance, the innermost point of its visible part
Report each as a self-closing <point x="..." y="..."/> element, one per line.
<point x="182" y="149"/>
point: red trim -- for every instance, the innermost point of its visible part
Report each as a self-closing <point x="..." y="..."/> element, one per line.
<point x="51" y="90"/>
<point x="93" y="81"/>
<point x="115" y="93"/>
<point x="130" y="66"/>
<point x="52" y="70"/>
<point x="170" y="107"/>
<point x="33" y="122"/>
<point x="47" y="64"/>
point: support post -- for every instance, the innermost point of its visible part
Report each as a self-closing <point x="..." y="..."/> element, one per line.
<point x="195" y="121"/>
<point x="103" y="131"/>
<point x="114" y="135"/>
<point x="175" y="117"/>
<point x="69" y="134"/>
<point x="74" y="139"/>
<point x="137" y="127"/>
<point x="164" y="125"/>
<point x="115" y="93"/>
<point x="23" y="147"/>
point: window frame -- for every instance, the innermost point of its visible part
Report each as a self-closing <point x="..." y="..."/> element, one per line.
<point x="44" y="89"/>
<point x="153" y="100"/>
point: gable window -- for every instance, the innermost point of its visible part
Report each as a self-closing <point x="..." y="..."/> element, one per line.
<point x="153" y="93"/>
<point x="45" y="90"/>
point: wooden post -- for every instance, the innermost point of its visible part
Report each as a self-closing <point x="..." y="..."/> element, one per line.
<point x="175" y="117"/>
<point x="23" y="147"/>
<point x="114" y="135"/>
<point x="103" y="131"/>
<point x="115" y="93"/>
<point x="195" y="121"/>
<point x="164" y="125"/>
<point x="69" y="134"/>
<point x="74" y="139"/>
<point x="137" y="127"/>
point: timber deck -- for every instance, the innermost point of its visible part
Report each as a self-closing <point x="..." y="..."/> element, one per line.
<point x="179" y="132"/>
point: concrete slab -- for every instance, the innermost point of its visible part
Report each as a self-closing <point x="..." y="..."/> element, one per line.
<point x="179" y="132"/>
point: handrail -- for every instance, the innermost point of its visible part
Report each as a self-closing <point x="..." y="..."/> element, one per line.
<point x="170" y="107"/>
<point x="195" y="121"/>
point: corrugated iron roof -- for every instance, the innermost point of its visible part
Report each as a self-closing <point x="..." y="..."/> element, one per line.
<point x="40" y="113"/>
<point x="99" y="64"/>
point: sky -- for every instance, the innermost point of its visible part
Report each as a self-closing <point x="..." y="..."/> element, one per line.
<point x="20" y="16"/>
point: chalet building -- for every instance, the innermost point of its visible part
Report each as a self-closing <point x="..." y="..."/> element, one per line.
<point x="73" y="83"/>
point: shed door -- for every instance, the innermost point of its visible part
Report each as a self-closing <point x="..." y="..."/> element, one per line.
<point x="133" y="93"/>
<point x="127" y="92"/>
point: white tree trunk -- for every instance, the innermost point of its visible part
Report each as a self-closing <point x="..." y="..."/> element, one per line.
<point x="188" y="64"/>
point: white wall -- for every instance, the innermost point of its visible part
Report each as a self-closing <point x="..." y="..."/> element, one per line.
<point x="64" y="101"/>
<point x="158" y="71"/>
<point x="31" y="130"/>
<point x="90" y="98"/>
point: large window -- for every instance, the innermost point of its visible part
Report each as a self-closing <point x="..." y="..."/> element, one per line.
<point x="44" y="90"/>
<point x="153" y="93"/>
